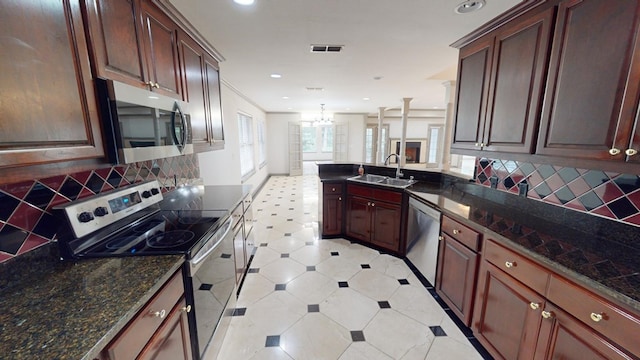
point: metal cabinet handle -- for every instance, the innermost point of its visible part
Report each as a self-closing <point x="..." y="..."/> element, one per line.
<point x="510" y="264"/>
<point x="161" y="314"/>
<point x="477" y="144"/>
<point x="547" y="314"/>
<point x="340" y="198"/>
<point x="534" y="306"/>
<point x="456" y="231"/>
<point x="373" y="204"/>
<point x="333" y="189"/>
<point x="186" y="309"/>
<point x="631" y="152"/>
<point x="440" y="238"/>
<point x="614" y="151"/>
<point x="369" y="203"/>
<point x="596" y="317"/>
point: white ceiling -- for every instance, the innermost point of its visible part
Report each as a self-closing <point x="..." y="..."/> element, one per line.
<point x="404" y="42"/>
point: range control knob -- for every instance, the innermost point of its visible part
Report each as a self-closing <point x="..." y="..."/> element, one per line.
<point x="155" y="191"/>
<point x="100" y="211"/>
<point x="85" y="216"/>
<point x="146" y="194"/>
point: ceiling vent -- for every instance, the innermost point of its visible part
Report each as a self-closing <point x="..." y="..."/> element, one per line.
<point x="315" y="89"/>
<point x="326" y="48"/>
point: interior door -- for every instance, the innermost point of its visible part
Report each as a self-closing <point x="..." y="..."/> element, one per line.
<point x="295" y="149"/>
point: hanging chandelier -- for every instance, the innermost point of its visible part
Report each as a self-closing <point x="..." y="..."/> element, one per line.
<point x="322" y="120"/>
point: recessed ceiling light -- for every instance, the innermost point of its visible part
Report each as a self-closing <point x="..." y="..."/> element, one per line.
<point x="377" y="77"/>
<point x="366" y="99"/>
<point x="276" y="76"/>
<point x="285" y="97"/>
<point x="289" y="108"/>
<point x="243" y="2"/>
<point x="469" y="6"/>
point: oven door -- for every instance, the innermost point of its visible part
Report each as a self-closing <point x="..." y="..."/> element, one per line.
<point x="209" y="285"/>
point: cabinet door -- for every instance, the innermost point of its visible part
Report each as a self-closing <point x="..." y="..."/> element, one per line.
<point x="239" y="252"/>
<point x="358" y="218"/>
<point x="332" y="215"/>
<point x="214" y="101"/>
<point x="116" y="46"/>
<point x="47" y="98"/>
<point x="564" y="337"/>
<point x="172" y="341"/>
<point x="517" y="79"/>
<point x="193" y="72"/>
<point x="456" y="279"/>
<point x="591" y="92"/>
<point x="506" y="317"/>
<point x="474" y="66"/>
<point x="385" y="224"/>
<point x="161" y="50"/>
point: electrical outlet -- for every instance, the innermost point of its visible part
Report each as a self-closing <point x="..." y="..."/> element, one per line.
<point x="523" y="188"/>
<point x="494" y="182"/>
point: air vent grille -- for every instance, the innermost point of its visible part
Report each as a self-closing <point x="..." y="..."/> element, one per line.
<point x="315" y="89"/>
<point x="326" y="48"/>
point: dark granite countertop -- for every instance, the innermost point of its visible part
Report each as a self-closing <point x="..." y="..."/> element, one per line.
<point x="601" y="254"/>
<point x="71" y="310"/>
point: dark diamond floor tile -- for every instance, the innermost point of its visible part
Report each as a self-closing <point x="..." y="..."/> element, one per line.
<point x="281" y="287"/>
<point x="263" y="244"/>
<point x="437" y="331"/>
<point x="205" y="287"/>
<point x="365" y="266"/>
<point x="343" y="284"/>
<point x="357" y="335"/>
<point x="239" y="311"/>
<point x="335" y="253"/>
<point x="253" y="270"/>
<point x="285" y="255"/>
<point x="225" y="256"/>
<point x="287" y="234"/>
<point x="269" y="227"/>
<point x="272" y="341"/>
<point x="309" y="243"/>
<point x="313" y="308"/>
<point x="403" y="281"/>
<point x="311" y="268"/>
<point x="384" y="305"/>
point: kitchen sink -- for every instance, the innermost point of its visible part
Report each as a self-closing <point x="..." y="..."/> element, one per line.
<point x="383" y="180"/>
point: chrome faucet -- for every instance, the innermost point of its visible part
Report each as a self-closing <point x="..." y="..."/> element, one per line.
<point x="390" y="155"/>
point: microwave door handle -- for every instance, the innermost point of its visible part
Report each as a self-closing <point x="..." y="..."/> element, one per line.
<point x="181" y="140"/>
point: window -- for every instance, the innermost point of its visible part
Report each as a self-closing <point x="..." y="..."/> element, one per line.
<point x="262" y="144"/>
<point x="371" y="142"/>
<point x="434" y="152"/>
<point x="309" y="139"/>
<point x="245" y="130"/>
<point x="327" y="138"/>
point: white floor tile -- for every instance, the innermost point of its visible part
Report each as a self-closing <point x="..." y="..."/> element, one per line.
<point x="396" y="334"/>
<point x="349" y="308"/>
<point x="315" y="337"/>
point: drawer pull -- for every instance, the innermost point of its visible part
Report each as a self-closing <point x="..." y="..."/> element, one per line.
<point x="534" y="306"/>
<point x="339" y="198"/>
<point x="373" y="204"/>
<point x="333" y="189"/>
<point x="596" y="317"/>
<point x="614" y="151"/>
<point x="510" y="264"/>
<point x="440" y="238"/>
<point x="456" y="231"/>
<point x="547" y="314"/>
<point x="631" y="152"/>
<point x="161" y="314"/>
<point x="187" y="308"/>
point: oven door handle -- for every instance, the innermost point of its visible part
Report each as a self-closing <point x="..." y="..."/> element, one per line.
<point x="194" y="263"/>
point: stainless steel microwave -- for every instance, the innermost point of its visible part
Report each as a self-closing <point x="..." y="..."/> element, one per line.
<point x="142" y="125"/>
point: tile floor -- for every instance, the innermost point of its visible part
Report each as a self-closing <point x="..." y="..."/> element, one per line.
<point x="310" y="298"/>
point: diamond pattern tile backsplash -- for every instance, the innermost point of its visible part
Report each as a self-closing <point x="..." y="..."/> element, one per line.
<point x="608" y="194"/>
<point x="26" y="220"/>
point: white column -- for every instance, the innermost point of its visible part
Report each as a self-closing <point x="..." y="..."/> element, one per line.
<point x="380" y="152"/>
<point x="450" y="94"/>
<point x="403" y="140"/>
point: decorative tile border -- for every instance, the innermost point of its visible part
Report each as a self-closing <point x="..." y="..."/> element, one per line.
<point x="26" y="220"/>
<point x="608" y="194"/>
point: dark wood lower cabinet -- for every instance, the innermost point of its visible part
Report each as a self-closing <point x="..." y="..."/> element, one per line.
<point x="564" y="337"/>
<point x="332" y="209"/>
<point x="506" y="317"/>
<point x="456" y="277"/>
<point x="386" y="224"/>
<point x="358" y="218"/>
<point x="172" y="341"/>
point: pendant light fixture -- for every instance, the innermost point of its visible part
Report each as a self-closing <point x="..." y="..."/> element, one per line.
<point x="322" y="120"/>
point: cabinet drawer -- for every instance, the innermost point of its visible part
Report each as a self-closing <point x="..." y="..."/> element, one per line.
<point x="467" y="236"/>
<point x="135" y="336"/>
<point x="526" y="271"/>
<point x="363" y="191"/>
<point x="332" y="188"/>
<point x="386" y="195"/>
<point x="616" y="324"/>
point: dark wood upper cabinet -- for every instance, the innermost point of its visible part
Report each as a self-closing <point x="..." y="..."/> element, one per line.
<point x="500" y="83"/>
<point x="161" y="50"/>
<point x="48" y="101"/>
<point x="214" y="101"/>
<point x="591" y="96"/>
<point x="474" y="66"/>
<point x="518" y="72"/>
<point x="114" y="32"/>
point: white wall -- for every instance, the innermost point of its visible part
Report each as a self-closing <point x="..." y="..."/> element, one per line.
<point x="222" y="167"/>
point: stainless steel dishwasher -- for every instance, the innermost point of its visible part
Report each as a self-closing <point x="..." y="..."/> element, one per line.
<point x="423" y="229"/>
